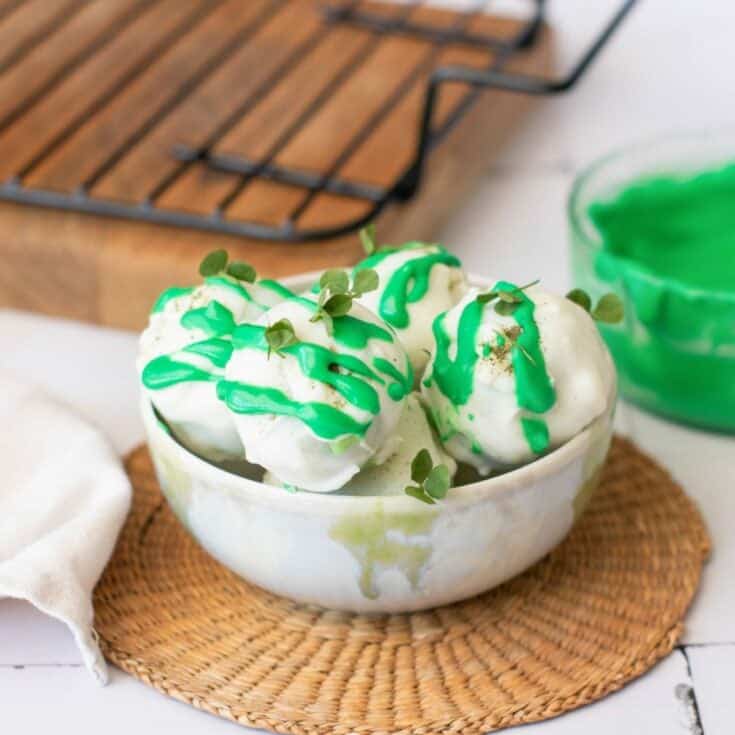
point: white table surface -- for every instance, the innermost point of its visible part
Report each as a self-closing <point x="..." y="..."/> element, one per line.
<point x="672" y="67"/>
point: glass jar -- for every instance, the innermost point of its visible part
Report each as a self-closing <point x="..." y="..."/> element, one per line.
<point x="675" y="349"/>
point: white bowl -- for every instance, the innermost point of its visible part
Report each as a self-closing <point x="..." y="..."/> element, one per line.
<point x="388" y="554"/>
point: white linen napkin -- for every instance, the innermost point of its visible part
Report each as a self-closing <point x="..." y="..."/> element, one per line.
<point x="63" y="499"/>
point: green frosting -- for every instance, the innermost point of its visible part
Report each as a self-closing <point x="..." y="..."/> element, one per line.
<point x="454" y="377"/>
<point x="169" y="295"/>
<point x="164" y="371"/>
<point x="534" y="390"/>
<point x="318" y="363"/>
<point x="402" y="385"/>
<point x="214" y="319"/>
<point x="347" y="374"/>
<point x="325" y="421"/>
<point x="536" y="433"/>
<point x="349" y="331"/>
<point x="217" y="351"/>
<point x="277" y="288"/>
<point x="409" y="283"/>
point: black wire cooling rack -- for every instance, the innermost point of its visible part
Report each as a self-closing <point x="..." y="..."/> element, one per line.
<point x="428" y="134"/>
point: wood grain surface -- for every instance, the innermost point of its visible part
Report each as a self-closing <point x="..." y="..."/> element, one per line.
<point x="96" y="95"/>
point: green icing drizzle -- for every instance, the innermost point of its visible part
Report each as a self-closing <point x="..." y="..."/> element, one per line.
<point x="536" y="433"/>
<point x="214" y="319"/>
<point x="403" y="383"/>
<point x="408" y="283"/>
<point x="349" y="331"/>
<point x="455" y="377"/>
<point x="169" y="295"/>
<point x="319" y="363"/>
<point x="231" y="284"/>
<point x="324" y="420"/>
<point x="277" y="288"/>
<point x="217" y="351"/>
<point x="164" y="371"/>
<point x="534" y="390"/>
<point x="356" y="333"/>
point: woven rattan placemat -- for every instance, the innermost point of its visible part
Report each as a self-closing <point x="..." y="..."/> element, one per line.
<point x="597" y="612"/>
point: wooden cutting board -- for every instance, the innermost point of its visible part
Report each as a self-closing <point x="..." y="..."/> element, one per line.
<point x="98" y="93"/>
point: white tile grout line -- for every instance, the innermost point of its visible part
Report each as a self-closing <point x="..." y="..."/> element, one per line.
<point x="688" y="696"/>
<point x="42" y="666"/>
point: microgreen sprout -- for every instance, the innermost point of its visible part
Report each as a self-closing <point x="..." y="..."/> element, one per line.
<point x="506" y="302"/>
<point x="242" y="271"/>
<point x="432" y="482"/>
<point x="280" y="335"/>
<point x="609" y="309"/>
<point x="367" y="238"/>
<point x="217" y="262"/>
<point x="336" y="293"/>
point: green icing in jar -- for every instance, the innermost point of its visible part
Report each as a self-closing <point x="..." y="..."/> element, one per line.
<point x="680" y="228"/>
<point x="667" y="245"/>
<point x="409" y="283"/>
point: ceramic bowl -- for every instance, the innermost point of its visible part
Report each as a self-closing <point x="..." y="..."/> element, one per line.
<point x="380" y="554"/>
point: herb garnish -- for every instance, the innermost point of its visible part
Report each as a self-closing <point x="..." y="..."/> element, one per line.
<point x="216" y="262"/>
<point x="336" y="294"/>
<point x="280" y="335"/>
<point x="432" y="483"/>
<point x="506" y="302"/>
<point x="367" y="238"/>
<point x="609" y="308"/>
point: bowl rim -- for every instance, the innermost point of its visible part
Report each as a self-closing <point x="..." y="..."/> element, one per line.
<point x="493" y="487"/>
<point x="598" y="165"/>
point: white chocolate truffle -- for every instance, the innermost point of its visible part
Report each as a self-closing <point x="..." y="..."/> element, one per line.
<point x="417" y="282"/>
<point x="321" y="409"/>
<point x="183" y="352"/>
<point x="503" y="389"/>
<point x="392" y="477"/>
